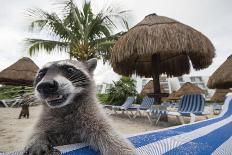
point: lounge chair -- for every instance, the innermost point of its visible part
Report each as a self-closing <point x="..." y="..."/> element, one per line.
<point x="157" y="111"/>
<point x="211" y="136"/>
<point x="3" y="104"/>
<point x="17" y="101"/>
<point x="146" y="104"/>
<point x="12" y="102"/>
<point x="128" y="103"/>
<point x="190" y="105"/>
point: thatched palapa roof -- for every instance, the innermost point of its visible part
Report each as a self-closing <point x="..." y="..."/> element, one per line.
<point x="220" y="94"/>
<point x="177" y="44"/>
<point x="187" y="88"/>
<point x="21" y="72"/>
<point x="148" y="88"/>
<point x="222" y="77"/>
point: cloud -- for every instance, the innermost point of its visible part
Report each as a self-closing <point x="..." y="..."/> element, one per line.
<point x="104" y="73"/>
<point x="211" y="17"/>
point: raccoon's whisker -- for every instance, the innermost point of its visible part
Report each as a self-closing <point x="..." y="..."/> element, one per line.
<point x="76" y="77"/>
<point x="79" y="77"/>
<point x="79" y="83"/>
<point x="79" y="80"/>
<point x="73" y="77"/>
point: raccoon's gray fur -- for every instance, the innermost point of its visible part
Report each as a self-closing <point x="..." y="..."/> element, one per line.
<point x="71" y="113"/>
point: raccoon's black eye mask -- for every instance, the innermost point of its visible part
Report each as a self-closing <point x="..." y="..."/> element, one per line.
<point x="68" y="70"/>
<point x="40" y="75"/>
<point x="76" y="76"/>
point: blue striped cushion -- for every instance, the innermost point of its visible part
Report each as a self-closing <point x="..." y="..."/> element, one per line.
<point x="192" y="103"/>
<point x="157" y="111"/>
<point x="128" y="103"/>
<point x="147" y="102"/>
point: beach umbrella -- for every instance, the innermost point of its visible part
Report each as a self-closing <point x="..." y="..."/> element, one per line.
<point x="21" y="73"/>
<point x="222" y="77"/>
<point x="161" y="45"/>
<point x="220" y="95"/>
<point x="187" y="88"/>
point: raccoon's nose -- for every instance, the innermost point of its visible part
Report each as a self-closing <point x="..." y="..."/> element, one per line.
<point x="50" y="86"/>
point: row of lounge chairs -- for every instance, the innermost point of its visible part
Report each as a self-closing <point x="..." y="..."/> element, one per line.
<point x="129" y="107"/>
<point x="190" y="105"/>
<point x="11" y="102"/>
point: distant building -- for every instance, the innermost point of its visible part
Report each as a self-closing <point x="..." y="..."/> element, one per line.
<point x="164" y="83"/>
<point x="200" y="81"/>
<point x="103" y="88"/>
<point x="168" y="84"/>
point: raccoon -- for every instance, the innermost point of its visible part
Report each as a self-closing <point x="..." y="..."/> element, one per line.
<point x="24" y="111"/>
<point x="71" y="113"/>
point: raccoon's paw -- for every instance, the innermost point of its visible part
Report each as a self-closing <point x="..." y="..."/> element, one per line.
<point x="41" y="149"/>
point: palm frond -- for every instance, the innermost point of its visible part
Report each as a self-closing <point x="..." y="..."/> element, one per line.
<point x="49" y="21"/>
<point x="36" y="45"/>
<point x="73" y="18"/>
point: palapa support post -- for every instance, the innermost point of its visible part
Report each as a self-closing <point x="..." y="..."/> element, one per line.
<point x="155" y="76"/>
<point x="156" y="83"/>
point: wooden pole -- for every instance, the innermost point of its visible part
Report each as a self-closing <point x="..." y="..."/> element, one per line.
<point x="156" y="82"/>
<point x="155" y="76"/>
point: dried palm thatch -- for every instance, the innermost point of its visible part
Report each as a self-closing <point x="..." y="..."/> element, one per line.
<point x="222" y="77"/>
<point x="20" y="73"/>
<point x="175" y="43"/>
<point x="220" y="94"/>
<point x="187" y="88"/>
<point x="159" y="45"/>
<point x="148" y="88"/>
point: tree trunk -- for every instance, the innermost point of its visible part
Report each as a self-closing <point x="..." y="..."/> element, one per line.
<point x="156" y="82"/>
<point x="155" y="76"/>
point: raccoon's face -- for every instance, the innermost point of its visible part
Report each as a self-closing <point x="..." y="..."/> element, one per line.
<point x="58" y="82"/>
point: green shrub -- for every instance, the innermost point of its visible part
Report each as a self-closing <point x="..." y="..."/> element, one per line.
<point x="103" y="98"/>
<point x="9" y="92"/>
<point x="120" y="90"/>
<point x="139" y="99"/>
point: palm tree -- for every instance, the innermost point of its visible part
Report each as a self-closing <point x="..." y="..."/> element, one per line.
<point x="78" y="30"/>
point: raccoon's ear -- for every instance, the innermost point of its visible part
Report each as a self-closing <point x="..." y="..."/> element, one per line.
<point x="92" y="64"/>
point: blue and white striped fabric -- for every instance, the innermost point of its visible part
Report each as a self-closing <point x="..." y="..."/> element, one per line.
<point x="146" y="104"/>
<point x="157" y="111"/>
<point x="192" y="103"/>
<point x="128" y="103"/>
<point x="212" y="136"/>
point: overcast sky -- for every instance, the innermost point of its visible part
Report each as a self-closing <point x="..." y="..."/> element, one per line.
<point x="211" y="17"/>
